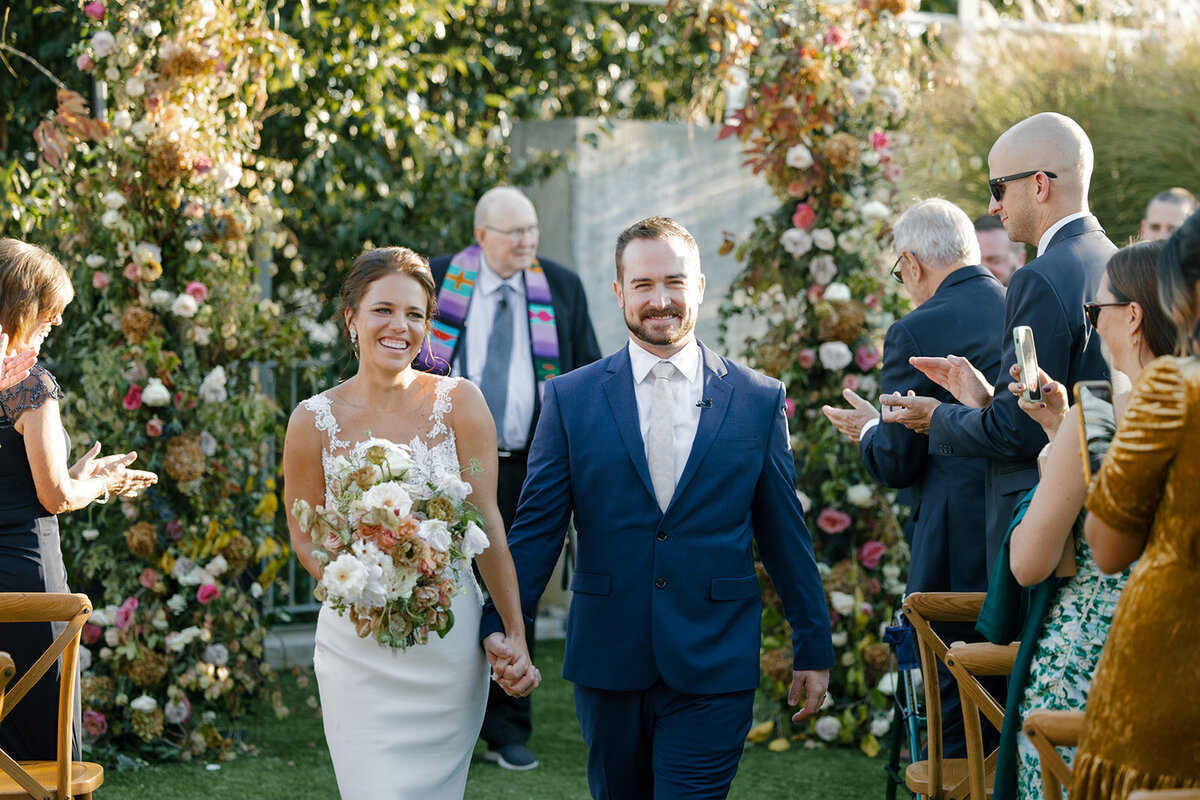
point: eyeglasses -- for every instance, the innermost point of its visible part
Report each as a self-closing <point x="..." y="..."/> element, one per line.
<point x="896" y="270"/>
<point x="1092" y="310"/>
<point x="997" y="184"/>
<point x="517" y="234"/>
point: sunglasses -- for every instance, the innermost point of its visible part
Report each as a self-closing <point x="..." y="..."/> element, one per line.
<point x="896" y="274"/>
<point x="1092" y="311"/>
<point x="996" y="185"/>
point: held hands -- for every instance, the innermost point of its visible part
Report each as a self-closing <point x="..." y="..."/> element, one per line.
<point x="911" y="411"/>
<point x="814" y="683"/>
<point x="850" y="421"/>
<point x="1050" y="410"/>
<point x="511" y="667"/>
<point x="112" y="470"/>
<point x="958" y="376"/>
<point x="14" y="368"/>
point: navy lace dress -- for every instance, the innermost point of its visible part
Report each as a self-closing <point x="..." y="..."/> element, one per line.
<point x="30" y="561"/>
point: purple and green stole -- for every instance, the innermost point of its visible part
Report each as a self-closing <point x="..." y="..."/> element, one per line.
<point x="454" y="298"/>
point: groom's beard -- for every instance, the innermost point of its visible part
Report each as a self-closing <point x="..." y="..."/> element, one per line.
<point x="666" y="337"/>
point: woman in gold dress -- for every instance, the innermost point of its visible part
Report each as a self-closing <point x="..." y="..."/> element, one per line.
<point x="1142" y="729"/>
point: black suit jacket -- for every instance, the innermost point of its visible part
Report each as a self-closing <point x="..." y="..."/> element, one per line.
<point x="1047" y="294"/>
<point x="965" y="316"/>
<point x="577" y="344"/>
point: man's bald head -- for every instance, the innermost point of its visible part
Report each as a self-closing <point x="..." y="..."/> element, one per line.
<point x="1050" y="142"/>
<point x="499" y="198"/>
<point x="506" y="228"/>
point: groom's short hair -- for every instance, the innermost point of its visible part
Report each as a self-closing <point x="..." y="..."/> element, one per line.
<point x="656" y="228"/>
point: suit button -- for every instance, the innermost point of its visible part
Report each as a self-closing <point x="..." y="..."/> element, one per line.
<point x="662" y="536"/>
<point x="660" y="583"/>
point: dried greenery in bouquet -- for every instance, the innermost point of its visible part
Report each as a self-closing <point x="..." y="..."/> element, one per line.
<point x="161" y="210"/>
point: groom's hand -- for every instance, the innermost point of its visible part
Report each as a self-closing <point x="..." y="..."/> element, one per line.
<point x="814" y="683"/>
<point x="499" y="654"/>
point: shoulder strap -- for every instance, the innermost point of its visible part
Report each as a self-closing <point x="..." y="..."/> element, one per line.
<point x="322" y="408"/>
<point x="38" y="387"/>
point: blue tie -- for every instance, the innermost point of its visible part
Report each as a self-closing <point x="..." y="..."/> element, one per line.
<point x="494" y="383"/>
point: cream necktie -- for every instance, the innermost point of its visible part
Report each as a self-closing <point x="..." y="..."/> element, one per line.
<point x="660" y="444"/>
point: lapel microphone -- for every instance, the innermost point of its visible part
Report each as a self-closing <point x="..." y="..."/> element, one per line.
<point x="705" y="403"/>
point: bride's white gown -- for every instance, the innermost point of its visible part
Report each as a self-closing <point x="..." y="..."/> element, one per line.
<point x="402" y="724"/>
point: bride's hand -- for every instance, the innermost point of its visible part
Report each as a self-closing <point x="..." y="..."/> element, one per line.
<point x="511" y="665"/>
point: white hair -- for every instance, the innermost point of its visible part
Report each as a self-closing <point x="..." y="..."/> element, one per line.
<point x="938" y="233"/>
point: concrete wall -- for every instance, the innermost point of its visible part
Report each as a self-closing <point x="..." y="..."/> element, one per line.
<point x="637" y="170"/>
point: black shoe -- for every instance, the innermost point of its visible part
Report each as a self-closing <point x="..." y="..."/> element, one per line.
<point x="512" y="756"/>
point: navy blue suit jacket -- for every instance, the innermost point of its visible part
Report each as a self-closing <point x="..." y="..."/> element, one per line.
<point x="965" y="316"/>
<point x="670" y="596"/>
<point x="1047" y="294"/>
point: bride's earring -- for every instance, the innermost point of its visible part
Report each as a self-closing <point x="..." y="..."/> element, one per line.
<point x="354" y="342"/>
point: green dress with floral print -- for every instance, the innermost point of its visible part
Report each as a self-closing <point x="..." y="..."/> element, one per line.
<point x="1061" y="673"/>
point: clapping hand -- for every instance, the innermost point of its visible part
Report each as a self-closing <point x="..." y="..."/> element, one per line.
<point x="511" y="666"/>
<point x="911" y="411"/>
<point x="958" y="376"/>
<point x="14" y="368"/>
<point x="112" y="470"/>
<point x="850" y="421"/>
<point x="1050" y="410"/>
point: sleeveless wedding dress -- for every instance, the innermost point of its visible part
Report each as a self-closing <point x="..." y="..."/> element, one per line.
<point x="402" y="724"/>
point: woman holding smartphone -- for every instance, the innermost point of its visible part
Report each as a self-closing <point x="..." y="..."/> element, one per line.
<point x="1143" y="727"/>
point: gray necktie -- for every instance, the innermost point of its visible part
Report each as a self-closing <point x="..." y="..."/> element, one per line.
<point x="660" y="444"/>
<point x="494" y="383"/>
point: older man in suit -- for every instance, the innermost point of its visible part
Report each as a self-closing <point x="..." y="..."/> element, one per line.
<point x="508" y="321"/>
<point x="675" y="462"/>
<point x="959" y="308"/>
<point x="1040" y="168"/>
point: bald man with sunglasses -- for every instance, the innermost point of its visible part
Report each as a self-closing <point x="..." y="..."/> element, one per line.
<point x="1040" y="170"/>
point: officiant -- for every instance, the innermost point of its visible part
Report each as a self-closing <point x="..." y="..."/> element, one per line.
<point x="508" y="321"/>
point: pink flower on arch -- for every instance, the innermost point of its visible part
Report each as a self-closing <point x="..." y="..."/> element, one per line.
<point x="197" y="290"/>
<point x="203" y="165"/>
<point x="131" y="271"/>
<point x="91" y="634"/>
<point x="94" y="10"/>
<point x="851" y="382"/>
<point x="124" y="615"/>
<point x="806" y="357"/>
<point x="207" y="593"/>
<point x="835" y="37"/>
<point x="94" y="723"/>
<point x="871" y="552"/>
<point x="833" y="521"/>
<point x="866" y="357"/>
<point x="804" y="217"/>
<point x="154" y="427"/>
<point x="100" y="280"/>
<point x="84" y="62"/>
<point x="880" y="140"/>
<point x="174" y="530"/>
<point x="148" y="578"/>
<point x="133" y="399"/>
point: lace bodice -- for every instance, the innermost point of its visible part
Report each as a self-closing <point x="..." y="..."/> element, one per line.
<point x="433" y="454"/>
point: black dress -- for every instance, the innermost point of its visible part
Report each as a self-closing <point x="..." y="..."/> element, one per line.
<point x="30" y="561"/>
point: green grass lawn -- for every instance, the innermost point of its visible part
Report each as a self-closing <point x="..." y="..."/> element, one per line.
<point x="293" y="761"/>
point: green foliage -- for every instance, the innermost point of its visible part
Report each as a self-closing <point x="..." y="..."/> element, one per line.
<point x="1128" y="100"/>
<point x="43" y="31"/>
<point x="400" y="120"/>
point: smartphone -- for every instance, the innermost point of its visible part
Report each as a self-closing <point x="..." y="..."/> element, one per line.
<point x="1097" y="423"/>
<point x="1027" y="358"/>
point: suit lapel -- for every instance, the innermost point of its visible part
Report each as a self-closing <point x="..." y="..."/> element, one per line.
<point x="718" y="391"/>
<point x="618" y="386"/>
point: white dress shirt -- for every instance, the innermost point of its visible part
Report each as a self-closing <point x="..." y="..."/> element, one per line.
<point x="518" y="413"/>
<point x="687" y="388"/>
<point x="1044" y="242"/>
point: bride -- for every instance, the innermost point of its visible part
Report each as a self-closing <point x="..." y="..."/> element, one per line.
<point x="403" y="724"/>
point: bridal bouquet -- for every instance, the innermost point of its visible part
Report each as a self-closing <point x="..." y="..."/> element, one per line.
<point x="396" y="544"/>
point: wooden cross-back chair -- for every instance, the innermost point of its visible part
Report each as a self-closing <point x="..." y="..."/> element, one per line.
<point x="1049" y="730"/>
<point x="62" y="778"/>
<point x="936" y="777"/>
<point x="968" y="662"/>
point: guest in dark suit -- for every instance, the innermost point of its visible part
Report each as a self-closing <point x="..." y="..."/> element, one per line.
<point x="675" y="462"/>
<point x="959" y="309"/>
<point x="1041" y="169"/>
<point x="508" y="321"/>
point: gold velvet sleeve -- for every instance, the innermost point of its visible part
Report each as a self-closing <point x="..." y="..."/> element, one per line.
<point x="1130" y="484"/>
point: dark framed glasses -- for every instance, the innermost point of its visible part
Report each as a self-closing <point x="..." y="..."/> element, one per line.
<point x="996" y="185"/>
<point x="1092" y="310"/>
<point x="896" y="276"/>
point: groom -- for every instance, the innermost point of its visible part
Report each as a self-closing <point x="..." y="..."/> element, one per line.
<point x="675" y="461"/>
